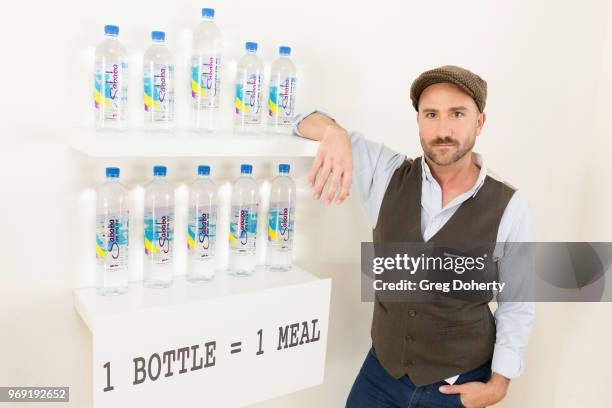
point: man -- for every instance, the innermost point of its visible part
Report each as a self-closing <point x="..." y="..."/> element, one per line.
<point x="437" y="196"/>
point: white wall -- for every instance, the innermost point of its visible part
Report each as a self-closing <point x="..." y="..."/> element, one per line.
<point x="548" y="68"/>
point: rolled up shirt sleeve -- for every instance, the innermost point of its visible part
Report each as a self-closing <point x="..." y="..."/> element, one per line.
<point x="299" y="117"/>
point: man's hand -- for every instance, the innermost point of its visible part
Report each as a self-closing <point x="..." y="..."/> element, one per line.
<point x="477" y="394"/>
<point x="334" y="157"/>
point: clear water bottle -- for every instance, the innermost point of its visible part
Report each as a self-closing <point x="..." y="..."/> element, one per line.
<point x="205" y="72"/>
<point x="158" y="230"/>
<point x="110" y="81"/>
<point x="202" y="227"/>
<point x="158" y="80"/>
<point x="248" y="88"/>
<point x="243" y="223"/>
<point x="112" y="233"/>
<point x="281" y="99"/>
<point x="280" y="221"/>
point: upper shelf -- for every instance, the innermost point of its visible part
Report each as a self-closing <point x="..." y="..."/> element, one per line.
<point x="139" y="143"/>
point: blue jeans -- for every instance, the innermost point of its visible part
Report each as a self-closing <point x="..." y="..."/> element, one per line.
<point x="374" y="387"/>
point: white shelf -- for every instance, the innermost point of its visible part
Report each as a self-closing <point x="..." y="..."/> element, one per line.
<point x="93" y="307"/>
<point x="134" y="143"/>
<point x="255" y="338"/>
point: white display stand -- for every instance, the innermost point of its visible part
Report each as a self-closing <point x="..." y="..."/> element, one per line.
<point x="230" y="342"/>
<point x="227" y="343"/>
<point x="138" y="143"/>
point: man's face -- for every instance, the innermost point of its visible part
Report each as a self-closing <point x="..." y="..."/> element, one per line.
<point x="449" y="122"/>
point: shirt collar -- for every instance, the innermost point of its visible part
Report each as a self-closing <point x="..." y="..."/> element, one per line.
<point x="478" y="161"/>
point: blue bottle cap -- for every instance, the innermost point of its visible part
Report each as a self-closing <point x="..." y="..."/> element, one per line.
<point x="246" y="169"/>
<point x="284" y="168"/>
<point x="203" y="170"/>
<point x="111" y="30"/>
<point x="251" y="46"/>
<point x="158" y="36"/>
<point x="112" y="172"/>
<point x="284" y="50"/>
<point x="208" y="12"/>
<point x="159" y="171"/>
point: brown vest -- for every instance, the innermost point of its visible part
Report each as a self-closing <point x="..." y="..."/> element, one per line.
<point x="433" y="341"/>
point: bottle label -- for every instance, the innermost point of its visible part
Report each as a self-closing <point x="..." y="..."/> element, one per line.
<point x="280" y="226"/>
<point x="110" y="95"/>
<point x="248" y="100"/>
<point x="159" y="93"/>
<point x="159" y="234"/>
<point x="243" y="229"/>
<point x="202" y="232"/>
<point x="112" y="241"/>
<point x="205" y="81"/>
<point x="282" y="100"/>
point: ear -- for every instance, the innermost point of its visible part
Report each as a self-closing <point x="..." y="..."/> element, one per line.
<point x="482" y="118"/>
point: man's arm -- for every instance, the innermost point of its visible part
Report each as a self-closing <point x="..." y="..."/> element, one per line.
<point x="373" y="163"/>
<point x="515" y="312"/>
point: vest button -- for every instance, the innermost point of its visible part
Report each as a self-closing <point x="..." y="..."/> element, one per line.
<point x="409" y="338"/>
<point x="408" y="363"/>
<point x="412" y="313"/>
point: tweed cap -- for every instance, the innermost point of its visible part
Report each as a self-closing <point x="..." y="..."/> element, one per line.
<point x="470" y="83"/>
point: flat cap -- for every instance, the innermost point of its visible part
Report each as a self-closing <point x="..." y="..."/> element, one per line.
<point x="466" y="80"/>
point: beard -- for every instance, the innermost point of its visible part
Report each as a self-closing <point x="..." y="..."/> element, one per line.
<point x="457" y="150"/>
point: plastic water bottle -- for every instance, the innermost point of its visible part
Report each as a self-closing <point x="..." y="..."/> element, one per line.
<point x="112" y="232"/>
<point x="158" y="230"/>
<point x="110" y="81"/>
<point x="243" y="223"/>
<point x="158" y="80"/>
<point x="247" y="100"/>
<point x="205" y="72"/>
<point x="202" y="227"/>
<point x="281" y="99"/>
<point x="280" y="221"/>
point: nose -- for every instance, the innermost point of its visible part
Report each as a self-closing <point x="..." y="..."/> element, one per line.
<point x="444" y="128"/>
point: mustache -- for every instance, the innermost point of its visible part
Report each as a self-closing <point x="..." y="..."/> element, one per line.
<point x="444" y="141"/>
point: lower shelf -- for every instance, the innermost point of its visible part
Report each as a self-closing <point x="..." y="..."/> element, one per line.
<point x="225" y="343"/>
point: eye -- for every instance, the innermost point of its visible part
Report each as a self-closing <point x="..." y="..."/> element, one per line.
<point x="458" y="114"/>
<point x="430" y="115"/>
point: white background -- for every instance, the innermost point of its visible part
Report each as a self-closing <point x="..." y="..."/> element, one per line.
<point x="548" y="65"/>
